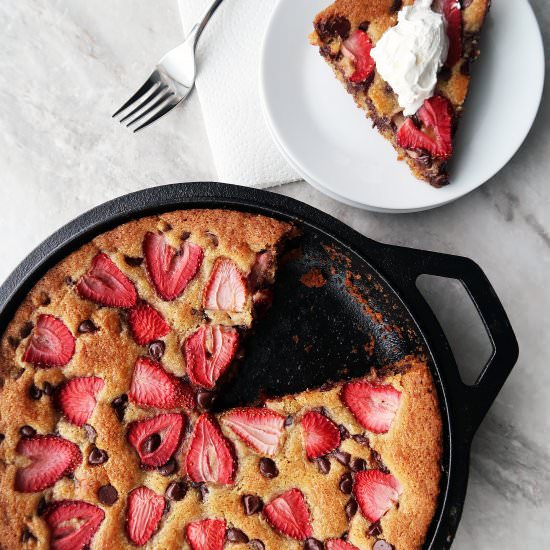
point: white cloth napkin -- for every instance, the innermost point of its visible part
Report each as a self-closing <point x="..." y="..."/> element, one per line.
<point x="228" y="58"/>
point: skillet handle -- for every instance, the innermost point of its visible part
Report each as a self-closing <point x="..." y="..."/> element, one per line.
<point x="476" y="399"/>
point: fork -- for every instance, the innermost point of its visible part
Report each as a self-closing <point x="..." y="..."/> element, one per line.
<point x="170" y="83"/>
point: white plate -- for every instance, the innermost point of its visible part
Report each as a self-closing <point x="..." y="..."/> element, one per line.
<point x="331" y="145"/>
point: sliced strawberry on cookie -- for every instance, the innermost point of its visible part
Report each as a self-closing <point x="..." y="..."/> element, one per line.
<point x="375" y="492"/>
<point x="210" y="456"/>
<point x="51" y="343"/>
<point x="320" y="433"/>
<point x="289" y="514"/>
<point x="339" y="544"/>
<point x="152" y="386"/>
<point x="452" y="12"/>
<point x="147" y="324"/>
<point x="77" y="398"/>
<point x="51" y="458"/>
<point x="170" y="270"/>
<point x="435" y="136"/>
<point x="374" y="405"/>
<point x="357" y="49"/>
<point x="72" y="524"/>
<point x="156" y="439"/>
<point x="106" y="285"/>
<point x="226" y="289"/>
<point x="206" y="534"/>
<point x="208" y="353"/>
<point x="145" y="509"/>
<point x="260" y="428"/>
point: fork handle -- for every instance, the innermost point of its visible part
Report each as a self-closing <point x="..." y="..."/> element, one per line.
<point x="197" y="29"/>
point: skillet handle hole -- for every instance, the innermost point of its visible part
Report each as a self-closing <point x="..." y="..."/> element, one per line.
<point x="461" y="323"/>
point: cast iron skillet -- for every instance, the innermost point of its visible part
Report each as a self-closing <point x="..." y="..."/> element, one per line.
<point x="316" y="333"/>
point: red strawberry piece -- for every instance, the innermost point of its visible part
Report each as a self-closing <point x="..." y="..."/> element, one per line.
<point x="210" y="456"/>
<point x="206" y="534"/>
<point x="374" y="405"/>
<point x="51" y="458"/>
<point x="156" y="439"/>
<point x="339" y="544"/>
<point x="357" y="48"/>
<point x="147" y="324"/>
<point x="321" y="434"/>
<point x="288" y="513"/>
<point x="152" y="386"/>
<point x="260" y="428"/>
<point x="51" y="343"/>
<point x="375" y="492"/>
<point x="145" y="509"/>
<point x="77" y="398"/>
<point x="436" y="135"/>
<point x="226" y="289"/>
<point x="106" y="285"/>
<point x="72" y="524"/>
<point x="453" y="16"/>
<point x="170" y="270"/>
<point x="208" y="353"/>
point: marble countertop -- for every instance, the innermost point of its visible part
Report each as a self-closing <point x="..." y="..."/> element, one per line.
<point x="65" y="66"/>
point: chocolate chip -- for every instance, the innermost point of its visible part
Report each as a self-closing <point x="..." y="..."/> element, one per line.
<point x="35" y="392"/>
<point x="27" y="431"/>
<point x="361" y="439"/>
<point x="364" y="26"/>
<point x="466" y="4"/>
<point x="176" y="490"/>
<point x="27" y="536"/>
<point x="346" y="483"/>
<point x="374" y="530"/>
<point x="133" y="261"/>
<point x="382" y="545"/>
<point x="13" y="342"/>
<point x="357" y="464"/>
<point x="344" y="433"/>
<point x="45" y="300"/>
<point x="350" y="508"/>
<point x="342" y="457"/>
<point x="151" y="444"/>
<point x="107" y="494"/>
<point x="87" y="326"/>
<point x="157" y="349"/>
<point x="97" y="456"/>
<point x="323" y="463"/>
<point x="213" y="238"/>
<point x="313" y="544"/>
<point x="252" y="504"/>
<point x="205" y="399"/>
<point x="2" y="437"/>
<point x="333" y="27"/>
<point x="48" y="389"/>
<point x="268" y="468"/>
<point x="91" y="434"/>
<point x="379" y="462"/>
<point x="42" y="506"/>
<point x="236" y="535"/>
<point x="445" y="74"/>
<point x="69" y="280"/>
<point x="256" y="544"/>
<point x="26" y="329"/>
<point x="327" y="386"/>
<point x="203" y="492"/>
<point x="289" y="421"/>
<point x="185" y="235"/>
<point x="396" y="6"/>
<point x="119" y="404"/>
<point x="18" y="373"/>
<point x="169" y="468"/>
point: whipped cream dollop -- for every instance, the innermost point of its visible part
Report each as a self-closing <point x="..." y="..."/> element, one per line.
<point x="409" y="55"/>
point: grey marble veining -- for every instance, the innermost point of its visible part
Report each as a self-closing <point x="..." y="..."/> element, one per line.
<point x="65" y="65"/>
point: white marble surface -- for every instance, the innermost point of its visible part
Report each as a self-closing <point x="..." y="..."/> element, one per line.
<point x="65" y="65"/>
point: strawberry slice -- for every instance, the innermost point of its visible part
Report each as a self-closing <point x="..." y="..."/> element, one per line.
<point x="51" y="343"/>
<point x="452" y="13"/>
<point x="156" y="439"/>
<point x="106" y="285"/>
<point x="208" y="353"/>
<point x="375" y="492"/>
<point x="206" y="534"/>
<point x="436" y="117"/>
<point x="260" y="428"/>
<point x="357" y="49"/>
<point x="72" y="524"/>
<point x="374" y="405"/>
<point x="288" y="513"/>
<point x="170" y="270"/>
<point x="210" y="456"/>
<point x="147" y="324"/>
<point x="77" y="398"/>
<point x="51" y="458"/>
<point x="226" y="289"/>
<point x="339" y="544"/>
<point x="152" y="386"/>
<point x="320" y="433"/>
<point x="145" y="509"/>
